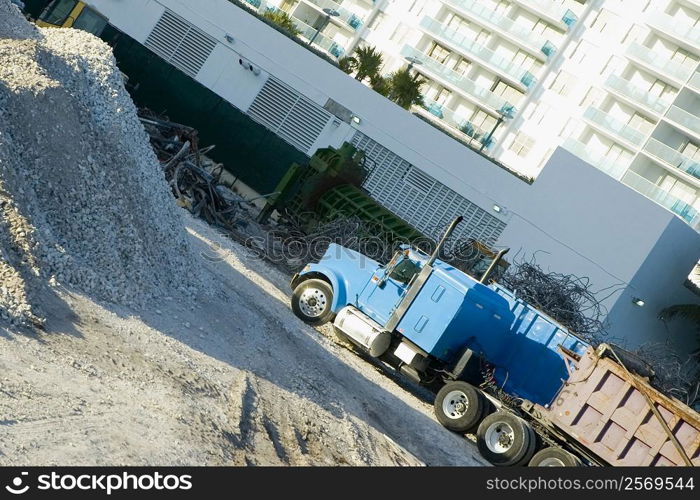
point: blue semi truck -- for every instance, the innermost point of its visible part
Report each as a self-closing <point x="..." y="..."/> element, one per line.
<point x="532" y="391"/>
<point x="476" y="342"/>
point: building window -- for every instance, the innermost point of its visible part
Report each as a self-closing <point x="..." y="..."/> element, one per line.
<point x="379" y="19"/>
<point x="510" y="94"/>
<point x="462" y="66"/>
<point x="439" y="94"/>
<point x="592" y="98"/>
<point x="483" y="120"/>
<point x="691" y="150"/>
<point x="439" y="53"/>
<point x="562" y="84"/>
<point x="522" y="145"/>
<point x="661" y="89"/>
<point x="640" y="123"/>
<point x="683" y="57"/>
<point x="399" y="33"/>
<point x="633" y="34"/>
<point x="604" y="21"/>
<point x="455" y="22"/>
<point x="541" y="111"/>
<point x="525" y="60"/>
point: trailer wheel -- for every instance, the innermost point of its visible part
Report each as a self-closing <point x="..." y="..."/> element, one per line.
<point x="459" y="406"/>
<point x="311" y="301"/>
<point x="504" y="439"/>
<point x="554" y="457"/>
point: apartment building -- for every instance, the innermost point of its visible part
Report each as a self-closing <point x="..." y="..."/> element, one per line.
<point x="615" y="82"/>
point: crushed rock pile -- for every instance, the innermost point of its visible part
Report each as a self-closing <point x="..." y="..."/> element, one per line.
<point x="82" y="200"/>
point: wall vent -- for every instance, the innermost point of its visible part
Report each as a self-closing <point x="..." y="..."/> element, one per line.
<point x="296" y="119"/>
<point x="180" y="43"/>
<point x="422" y="201"/>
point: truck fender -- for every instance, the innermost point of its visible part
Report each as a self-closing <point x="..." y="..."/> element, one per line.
<point x="320" y="271"/>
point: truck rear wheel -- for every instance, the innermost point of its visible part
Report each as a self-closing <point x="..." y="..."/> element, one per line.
<point x="459" y="406"/>
<point x="505" y="439"/>
<point x="311" y="302"/>
<point x="554" y="457"/>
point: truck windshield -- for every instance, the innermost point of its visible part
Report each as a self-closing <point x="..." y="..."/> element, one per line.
<point x="58" y="12"/>
<point x="404" y="271"/>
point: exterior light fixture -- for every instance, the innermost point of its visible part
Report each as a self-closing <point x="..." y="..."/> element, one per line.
<point x="356" y="120"/>
<point x="498" y="209"/>
<point x="637" y="302"/>
<point x="229" y="38"/>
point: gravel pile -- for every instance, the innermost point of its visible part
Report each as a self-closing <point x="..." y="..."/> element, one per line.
<point x="83" y="202"/>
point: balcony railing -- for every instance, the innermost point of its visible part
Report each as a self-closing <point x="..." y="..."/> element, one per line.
<point x="515" y="71"/>
<point x="614" y="125"/>
<point x="637" y="94"/>
<point x="431" y="66"/>
<point x="613" y="168"/>
<point x="455" y="120"/>
<point x="525" y="35"/>
<point x="682" y="117"/>
<point x="662" y="197"/>
<point x="662" y="64"/>
<point x="350" y="18"/>
<point x="672" y="157"/>
<point x="307" y="32"/>
<point x="676" y="27"/>
<point x="695" y="81"/>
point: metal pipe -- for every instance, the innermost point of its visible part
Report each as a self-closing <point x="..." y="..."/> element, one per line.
<point x="442" y="242"/>
<point x="493" y="265"/>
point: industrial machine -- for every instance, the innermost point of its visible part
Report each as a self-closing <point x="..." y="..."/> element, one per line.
<point x="72" y="14"/>
<point x="499" y="366"/>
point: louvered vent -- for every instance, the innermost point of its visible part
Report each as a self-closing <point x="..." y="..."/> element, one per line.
<point x="422" y="201"/>
<point x="293" y="117"/>
<point x="181" y="44"/>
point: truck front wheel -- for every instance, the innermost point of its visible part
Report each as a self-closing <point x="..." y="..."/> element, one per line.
<point x="505" y="439"/>
<point x="311" y="302"/>
<point x="459" y="406"/>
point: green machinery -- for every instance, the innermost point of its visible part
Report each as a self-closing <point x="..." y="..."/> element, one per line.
<point x="329" y="187"/>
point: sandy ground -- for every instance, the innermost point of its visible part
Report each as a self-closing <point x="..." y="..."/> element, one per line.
<point x="234" y="380"/>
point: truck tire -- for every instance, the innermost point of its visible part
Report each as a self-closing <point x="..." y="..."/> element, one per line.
<point x="554" y="457"/>
<point x="505" y="439"/>
<point x="459" y="406"/>
<point x="311" y="302"/>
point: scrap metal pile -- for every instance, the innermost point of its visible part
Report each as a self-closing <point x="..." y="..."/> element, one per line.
<point x="567" y="298"/>
<point x="194" y="178"/>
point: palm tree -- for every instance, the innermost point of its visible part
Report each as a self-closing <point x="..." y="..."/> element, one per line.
<point x="406" y="88"/>
<point x="347" y="64"/>
<point x="281" y="19"/>
<point x="368" y="62"/>
<point x="380" y="84"/>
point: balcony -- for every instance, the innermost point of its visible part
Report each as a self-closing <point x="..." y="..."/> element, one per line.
<point x="558" y="14"/>
<point x="663" y="65"/>
<point x="465" y="44"/>
<point x="514" y="30"/>
<point x="613" y="168"/>
<point x="672" y="158"/>
<point x="668" y="25"/>
<point x="474" y="92"/>
<point x="662" y="197"/>
<point x="683" y="118"/>
<point x="351" y="19"/>
<point x="614" y="126"/>
<point x="636" y="94"/>
<point x="307" y="33"/>
<point x="455" y="121"/>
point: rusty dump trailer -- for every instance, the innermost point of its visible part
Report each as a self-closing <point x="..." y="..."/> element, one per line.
<point x="607" y="410"/>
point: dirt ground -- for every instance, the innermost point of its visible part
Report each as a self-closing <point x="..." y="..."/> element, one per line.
<point x="232" y="380"/>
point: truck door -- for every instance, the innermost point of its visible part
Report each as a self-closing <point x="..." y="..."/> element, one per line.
<point x="387" y="286"/>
